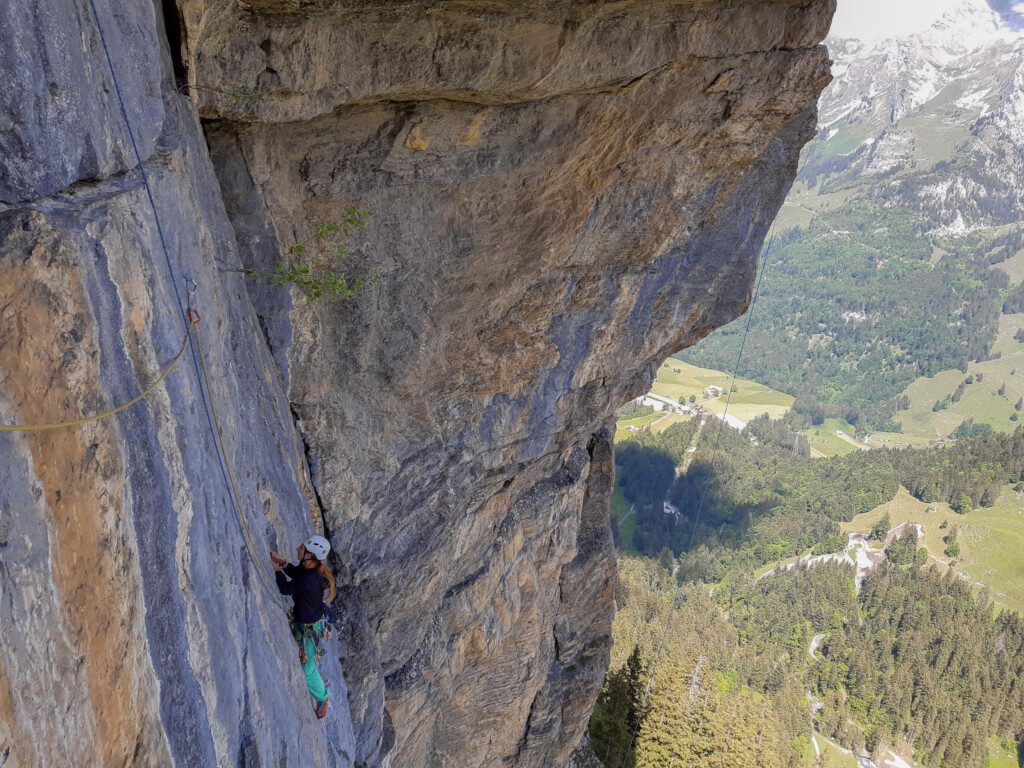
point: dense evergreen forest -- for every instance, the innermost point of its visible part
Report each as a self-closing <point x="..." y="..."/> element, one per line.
<point x="914" y="660"/>
<point x="744" y="667"/>
<point x="859" y="305"/>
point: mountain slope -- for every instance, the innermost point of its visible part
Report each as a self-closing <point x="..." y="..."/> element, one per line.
<point x="911" y="190"/>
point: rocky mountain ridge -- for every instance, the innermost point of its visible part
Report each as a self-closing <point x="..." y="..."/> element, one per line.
<point x="561" y="194"/>
<point x="940" y="113"/>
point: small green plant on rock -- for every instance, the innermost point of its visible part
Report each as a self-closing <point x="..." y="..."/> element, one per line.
<point x="245" y="96"/>
<point x="241" y="95"/>
<point x="313" y="266"/>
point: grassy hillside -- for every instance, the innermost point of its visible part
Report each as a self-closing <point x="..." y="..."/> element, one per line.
<point x="1001" y="757"/>
<point x="833" y="437"/>
<point x="622" y="428"/>
<point x="832" y="755"/>
<point x="620" y="508"/>
<point x="679" y="380"/>
<point x="992" y="542"/>
<point x="980" y="400"/>
<point x="991" y="539"/>
<point x="905" y="508"/>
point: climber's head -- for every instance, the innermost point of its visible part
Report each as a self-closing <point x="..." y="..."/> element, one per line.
<point x="313" y="551"/>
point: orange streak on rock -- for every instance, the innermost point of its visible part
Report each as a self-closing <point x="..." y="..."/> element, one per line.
<point x="51" y="363"/>
<point x="10" y="736"/>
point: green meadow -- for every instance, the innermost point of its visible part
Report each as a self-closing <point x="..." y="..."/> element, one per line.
<point x="832" y="755"/>
<point x="667" y="420"/>
<point x="991" y="539"/>
<point x="679" y="380"/>
<point x="620" y="508"/>
<point x="1001" y="757"/>
<point x="980" y="400"/>
<point x="622" y="428"/>
<point x="1013" y="267"/>
<point x="905" y="508"/>
<point x="833" y="437"/>
<point x="991" y="542"/>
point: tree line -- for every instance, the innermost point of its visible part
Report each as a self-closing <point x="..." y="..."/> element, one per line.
<point x="763" y="502"/>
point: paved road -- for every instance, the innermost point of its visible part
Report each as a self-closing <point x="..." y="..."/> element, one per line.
<point x="815" y="642"/>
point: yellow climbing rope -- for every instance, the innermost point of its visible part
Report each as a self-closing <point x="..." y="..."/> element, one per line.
<point x="193" y="322"/>
<point x="268" y="582"/>
<point x="105" y="414"/>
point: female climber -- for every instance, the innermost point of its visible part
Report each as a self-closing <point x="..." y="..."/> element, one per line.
<point x="306" y="583"/>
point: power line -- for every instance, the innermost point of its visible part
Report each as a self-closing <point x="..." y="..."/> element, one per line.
<point x="700" y="506"/>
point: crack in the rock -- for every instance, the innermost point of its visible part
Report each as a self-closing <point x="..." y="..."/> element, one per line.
<point x="526" y="727"/>
<point x="513" y="98"/>
<point x="88" y="191"/>
<point x="308" y="458"/>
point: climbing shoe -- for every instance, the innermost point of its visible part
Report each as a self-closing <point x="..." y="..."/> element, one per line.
<point x="321" y="709"/>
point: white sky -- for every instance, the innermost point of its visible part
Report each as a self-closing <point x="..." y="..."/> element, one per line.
<point x="871" y="19"/>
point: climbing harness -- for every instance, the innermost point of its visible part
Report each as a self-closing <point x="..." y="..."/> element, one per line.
<point x="704" y="491"/>
<point x="333" y="619"/>
<point x="317" y="633"/>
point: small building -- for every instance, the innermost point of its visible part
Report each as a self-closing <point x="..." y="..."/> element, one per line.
<point x="670" y="509"/>
<point x="732" y="421"/>
<point x="713" y="391"/>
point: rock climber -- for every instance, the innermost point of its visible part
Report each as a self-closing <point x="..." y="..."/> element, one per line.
<point x="305" y="583"/>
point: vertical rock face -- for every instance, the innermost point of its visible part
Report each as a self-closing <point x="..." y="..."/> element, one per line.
<point x="561" y="195"/>
<point x="133" y="626"/>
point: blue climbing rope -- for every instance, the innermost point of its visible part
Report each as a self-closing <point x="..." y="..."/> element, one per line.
<point x="207" y="406"/>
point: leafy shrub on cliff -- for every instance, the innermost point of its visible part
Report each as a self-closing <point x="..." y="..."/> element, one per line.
<point x="313" y="266"/>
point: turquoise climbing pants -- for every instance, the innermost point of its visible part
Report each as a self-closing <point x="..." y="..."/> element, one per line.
<point x="314" y="681"/>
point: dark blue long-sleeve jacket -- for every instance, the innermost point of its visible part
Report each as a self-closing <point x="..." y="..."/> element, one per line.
<point x="306" y="589"/>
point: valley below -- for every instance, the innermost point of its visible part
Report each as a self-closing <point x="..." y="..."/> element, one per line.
<point x="819" y="509"/>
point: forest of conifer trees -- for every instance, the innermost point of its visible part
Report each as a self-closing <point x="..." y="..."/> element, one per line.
<point x="915" y="660"/>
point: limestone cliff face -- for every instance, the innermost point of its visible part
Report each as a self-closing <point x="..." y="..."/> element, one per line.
<point x="561" y="195"/>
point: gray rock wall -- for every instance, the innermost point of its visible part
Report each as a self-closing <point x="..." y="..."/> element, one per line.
<point x="134" y="627"/>
<point x="561" y="195"/>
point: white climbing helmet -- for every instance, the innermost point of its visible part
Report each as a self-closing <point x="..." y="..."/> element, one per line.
<point x="318" y="546"/>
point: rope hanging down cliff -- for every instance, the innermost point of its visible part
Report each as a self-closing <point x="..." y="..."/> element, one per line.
<point x="700" y="505"/>
<point x="250" y="542"/>
<point x="112" y="411"/>
<point x="191" y="320"/>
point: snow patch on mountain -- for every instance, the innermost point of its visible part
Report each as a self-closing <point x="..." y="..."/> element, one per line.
<point x="975" y="102"/>
<point x="925" y="84"/>
<point x="894" y="148"/>
<point x="940" y="112"/>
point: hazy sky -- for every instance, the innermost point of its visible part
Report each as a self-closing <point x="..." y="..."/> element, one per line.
<point x="870" y="19"/>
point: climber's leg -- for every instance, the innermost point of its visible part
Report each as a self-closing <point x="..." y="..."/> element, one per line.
<point x="314" y="681"/>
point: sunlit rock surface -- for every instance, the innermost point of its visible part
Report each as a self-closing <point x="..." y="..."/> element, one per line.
<point x="561" y="194"/>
